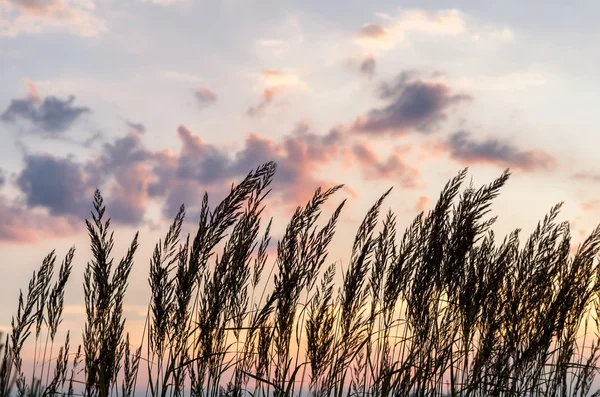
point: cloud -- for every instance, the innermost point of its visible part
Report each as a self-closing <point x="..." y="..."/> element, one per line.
<point x="137" y="127"/>
<point x="36" y="16"/>
<point x="266" y="99"/>
<point x="393" y="168"/>
<point x="22" y="225"/>
<point x="56" y="184"/>
<point x="412" y="105"/>
<point x="65" y="187"/>
<point x="51" y="115"/>
<point x="205" y="97"/>
<point x="299" y="157"/>
<point x="124" y="166"/>
<point x="202" y="162"/>
<point x="128" y="194"/>
<point x="367" y="66"/>
<point x="131" y="176"/>
<point x="2" y="178"/>
<point x="589" y="176"/>
<point x="372" y="31"/>
<point x="493" y="151"/>
<point x="422" y="204"/>
<point x="407" y="22"/>
<point x="201" y="166"/>
<point x="276" y="78"/>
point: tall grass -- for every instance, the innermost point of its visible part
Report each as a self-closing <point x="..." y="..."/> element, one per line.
<point x="444" y="308"/>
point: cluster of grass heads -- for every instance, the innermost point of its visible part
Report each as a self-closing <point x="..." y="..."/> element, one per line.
<point x="443" y="309"/>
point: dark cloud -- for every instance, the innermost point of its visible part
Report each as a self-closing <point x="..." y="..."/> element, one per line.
<point x="123" y="152"/>
<point x="202" y="162"/>
<point x="494" y="151"/>
<point x="372" y="31"/>
<point x="56" y="184"/>
<point x="205" y="96"/>
<point x="65" y="187"/>
<point x="2" y="178"/>
<point x="412" y="105"/>
<point x="51" y="115"/>
<point x="368" y="65"/>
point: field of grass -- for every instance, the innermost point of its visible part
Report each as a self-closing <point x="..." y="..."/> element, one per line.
<point x="440" y="308"/>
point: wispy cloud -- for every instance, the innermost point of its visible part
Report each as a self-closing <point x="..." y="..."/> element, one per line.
<point x="589" y="176"/>
<point x="266" y="98"/>
<point x="276" y="78"/>
<point x="441" y="23"/>
<point x="30" y="17"/>
<point x="136" y="127"/>
<point x="397" y="30"/>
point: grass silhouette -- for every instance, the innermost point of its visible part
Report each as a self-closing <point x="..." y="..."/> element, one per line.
<point x="441" y="310"/>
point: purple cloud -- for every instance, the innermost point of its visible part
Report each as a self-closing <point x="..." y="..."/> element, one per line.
<point x="205" y="97"/>
<point x="463" y="148"/>
<point x="51" y="115"/>
<point x="412" y="105"/>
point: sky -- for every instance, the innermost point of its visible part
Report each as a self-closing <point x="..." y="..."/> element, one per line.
<point x="157" y="101"/>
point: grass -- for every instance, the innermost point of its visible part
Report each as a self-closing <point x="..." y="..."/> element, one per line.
<point x="444" y="308"/>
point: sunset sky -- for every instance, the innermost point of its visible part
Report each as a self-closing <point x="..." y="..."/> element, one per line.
<point x="157" y="101"/>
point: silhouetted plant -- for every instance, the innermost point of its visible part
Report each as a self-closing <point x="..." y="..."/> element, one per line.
<point x="447" y="308"/>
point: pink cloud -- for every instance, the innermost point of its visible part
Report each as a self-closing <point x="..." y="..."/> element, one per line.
<point x="587" y="176"/>
<point x="422" y="204"/>
<point x="26" y="16"/>
<point x="373" y="31"/>
<point x="392" y="168"/>
<point x="274" y="77"/>
<point x="22" y="225"/>
<point x="266" y="98"/>
<point x="205" y="97"/>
